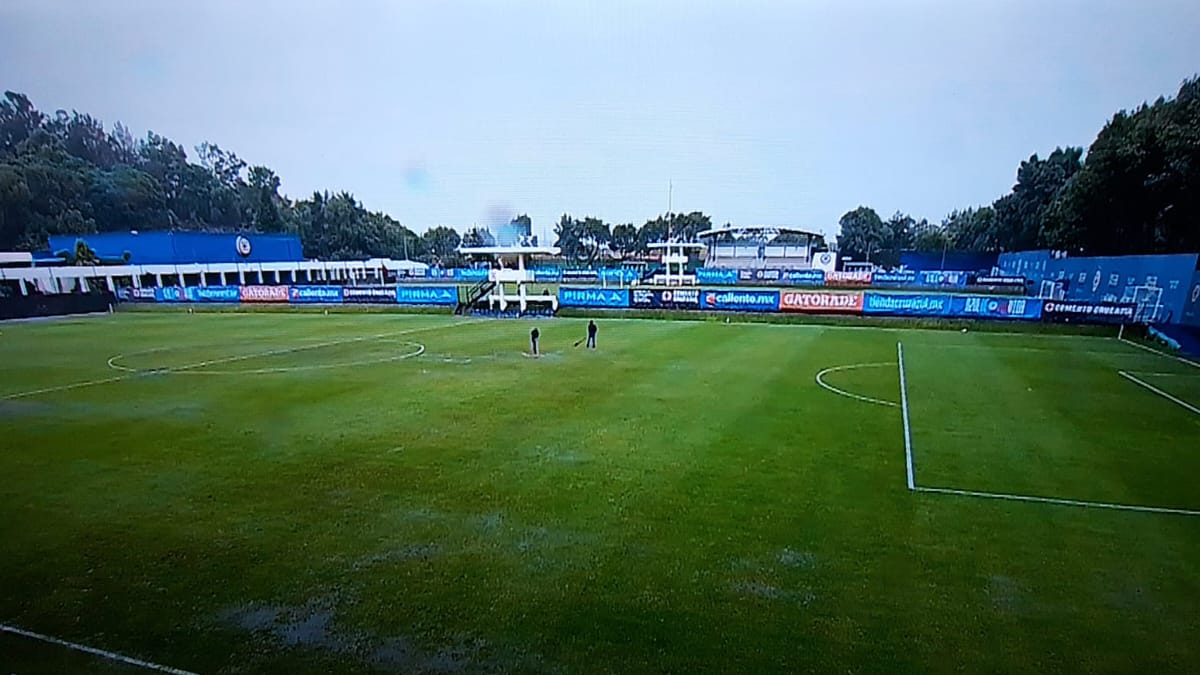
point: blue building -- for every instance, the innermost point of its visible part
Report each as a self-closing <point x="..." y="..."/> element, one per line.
<point x="178" y="248"/>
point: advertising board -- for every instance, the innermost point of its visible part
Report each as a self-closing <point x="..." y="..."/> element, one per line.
<point x="740" y="301"/>
<point x="426" y="295"/>
<point x="611" y="298"/>
<point x="821" y="302"/>
<point x="666" y="298"/>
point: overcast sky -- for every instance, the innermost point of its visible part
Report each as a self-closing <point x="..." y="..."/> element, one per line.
<point x="448" y="112"/>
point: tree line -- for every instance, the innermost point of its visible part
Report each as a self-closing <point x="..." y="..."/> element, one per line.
<point x="1136" y="191"/>
<point x="66" y="173"/>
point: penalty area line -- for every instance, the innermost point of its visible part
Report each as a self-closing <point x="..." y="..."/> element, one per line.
<point x="908" y="458"/>
<point x="1158" y="391"/>
<point x="1059" y="502"/>
<point x="112" y="656"/>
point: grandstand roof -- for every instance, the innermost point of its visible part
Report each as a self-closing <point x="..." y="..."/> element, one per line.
<point x="509" y="250"/>
<point x="761" y="231"/>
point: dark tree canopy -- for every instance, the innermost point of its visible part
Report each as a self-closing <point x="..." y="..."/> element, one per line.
<point x="1136" y="191"/>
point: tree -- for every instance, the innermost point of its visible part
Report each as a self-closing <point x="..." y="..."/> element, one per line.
<point x="568" y="238"/>
<point x="265" y="199"/>
<point x="861" y="234"/>
<point x="477" y="237"/>
<point x="442" y="244"/>
<point x="594" y="236"/>
<point x="1020" y="215"/>
<point x="1138" y="190"/>
<point x="624" y="241"/>
<point x="19" y="119"/>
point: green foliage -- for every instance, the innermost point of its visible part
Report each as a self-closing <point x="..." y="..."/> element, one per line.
<point x="441" y="245"/>
<point x="862" y="233"/>
<point x="1137" y="191"/>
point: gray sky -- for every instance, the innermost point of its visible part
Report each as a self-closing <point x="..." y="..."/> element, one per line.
<point x="447" y="112"/>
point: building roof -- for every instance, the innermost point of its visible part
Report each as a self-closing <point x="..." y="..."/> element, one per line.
<point x="509" y="250"/>
<point x="760" y="231"/>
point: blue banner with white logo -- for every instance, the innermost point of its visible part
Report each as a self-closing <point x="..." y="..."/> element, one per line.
<point x="908" y="277"/>
<point x="981" y="306"/>
<point x="802" y="277"/>
<point x="470" y="274"/>
<point x="943" y="278"/>
<point x="897" y="304"/>
<point x="170" y="294"/>
<point x="717" y="277"/>
<point x="315" y="294"/>
<point x="427" y="295"/>
<point x="740" y="301"/>
<point x="617" y="276"/>
<point x="593" y="297"/>
<point x="212" y="294"/>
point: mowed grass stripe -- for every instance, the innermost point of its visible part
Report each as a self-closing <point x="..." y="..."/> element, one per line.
<point x="683" y="499"/>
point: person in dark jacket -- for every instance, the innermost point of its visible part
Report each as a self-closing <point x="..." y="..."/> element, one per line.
<point x="533" y="340"/>
<point x="591" y="341"/>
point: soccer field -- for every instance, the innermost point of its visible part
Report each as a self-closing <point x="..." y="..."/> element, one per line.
<point x="307" y="493"/>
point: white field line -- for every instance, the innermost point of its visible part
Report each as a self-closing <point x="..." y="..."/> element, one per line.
<point x="130" y="373"/>
<point x="1152" y="374"/>
<point x="64" y="387"/>
<point x="1060" y="502"/>
<point x="317" y="345"/>
<point x="113" y="656"/>
<point x="1160" y="353"/>
<point x="857" y="397"/>
<point x="420" y="349"/>
<point x="1158" y="391"/>
<point x="908" y="458"/>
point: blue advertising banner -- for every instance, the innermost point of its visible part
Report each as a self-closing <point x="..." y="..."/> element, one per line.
<point x="212" y="294"/>
<point x="670" y="298"/>
<point x="908" y="277"/>
<point x="740" y="301"/>
<point x="594" y="297"/>
<point x="550" y="275"/>
<point x="897" y="304"/>
<point x="618" y="275"/>
<point x="374" y="295"/>
<point x="718" y="277"/>
<point x="321" y="294"/>
<point x="979" y="306"/>
<point x="470" y="274"/>
<point x="426" y="295"/>
<point x="803" y="277"/>
<point x="169" y="294"/>
<point x="943" y="278"/>
<point x="580" y="275"/>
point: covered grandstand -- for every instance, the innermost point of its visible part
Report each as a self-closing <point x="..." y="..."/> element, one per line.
<point x="761" y="247"/>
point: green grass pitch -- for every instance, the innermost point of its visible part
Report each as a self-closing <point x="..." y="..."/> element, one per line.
<point x="289" y="493"/>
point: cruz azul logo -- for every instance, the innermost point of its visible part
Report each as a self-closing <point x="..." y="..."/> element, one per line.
<point x="243" y="246"/>
<point x="821" y="302"/>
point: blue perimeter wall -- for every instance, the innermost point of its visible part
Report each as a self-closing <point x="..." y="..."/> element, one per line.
<point x="1104" y="278"/>
<point x="171" y="248"/>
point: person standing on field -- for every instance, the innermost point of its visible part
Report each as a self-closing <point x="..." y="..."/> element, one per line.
<point x="591" y="340"/>
<point x="533" y="340"/>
